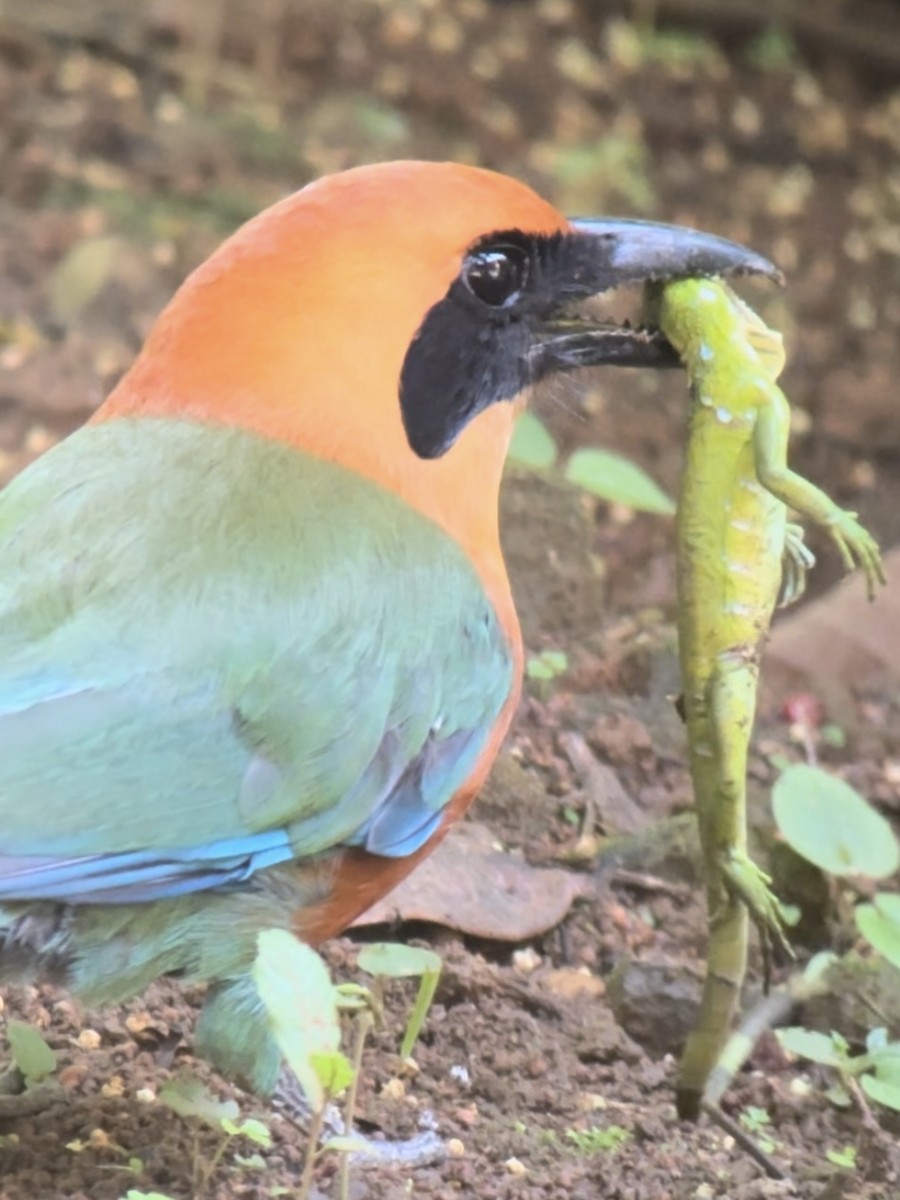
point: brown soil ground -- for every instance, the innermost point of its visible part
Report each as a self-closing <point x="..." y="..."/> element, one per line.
<point x="164" y="131"/>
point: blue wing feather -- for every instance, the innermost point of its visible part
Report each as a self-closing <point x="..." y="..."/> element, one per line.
<point x="231" y="677"/>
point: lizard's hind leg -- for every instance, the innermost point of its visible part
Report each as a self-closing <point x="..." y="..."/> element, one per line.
<point x="736" y="887"/>
<point x="732" y="710"/>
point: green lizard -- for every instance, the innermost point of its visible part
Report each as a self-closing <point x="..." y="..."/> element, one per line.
<point x="736" y="551"/>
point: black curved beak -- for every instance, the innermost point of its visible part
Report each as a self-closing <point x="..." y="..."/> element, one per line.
<point x="617" y="252"/>
<point x="645" y="251"/>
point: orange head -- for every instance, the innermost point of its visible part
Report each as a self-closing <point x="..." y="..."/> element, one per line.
<point x="384" y="317"/>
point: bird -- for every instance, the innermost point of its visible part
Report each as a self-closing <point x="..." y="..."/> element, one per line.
<point x="258" y="649"/>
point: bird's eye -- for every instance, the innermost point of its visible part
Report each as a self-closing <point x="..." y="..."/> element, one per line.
<point x="498" y="275"/>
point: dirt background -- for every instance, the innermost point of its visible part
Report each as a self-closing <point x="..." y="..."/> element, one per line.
<point x="132" y="138"/>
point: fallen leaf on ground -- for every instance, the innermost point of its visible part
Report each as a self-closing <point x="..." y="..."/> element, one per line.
<point x="840" y="642"/>
<point x="469" y="885"/>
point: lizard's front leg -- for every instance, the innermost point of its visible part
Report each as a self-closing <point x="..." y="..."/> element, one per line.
<point x="855" y="544"/>
<point x="796" y="560"/>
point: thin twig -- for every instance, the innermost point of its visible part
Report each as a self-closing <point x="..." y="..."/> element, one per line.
<point x="772" y="1010"/>
<point x="649" y="883"/>
<point x="744" y="1140"/>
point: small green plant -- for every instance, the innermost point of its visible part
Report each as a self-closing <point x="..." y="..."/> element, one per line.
<point x="877" y="1070"/>
<point x="601" y="473"/>
<point x="829" y="823"/>
<point x="392" y="960"/>
<point x="773" y="50"/>
<point x="31" y="1055"/>
<point x="547" y="666"/>
<point x="597" y="1140"/>
<point x="758" y="1122"/>
<point x="191" y="1099"/>
<point x="303" y="1006"/>
<point x="833" y="826"/>
<point x="845" y="1157"/>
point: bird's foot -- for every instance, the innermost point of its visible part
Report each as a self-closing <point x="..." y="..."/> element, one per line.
<point x="748" y="883"/>
<point x="18" y="1101"/>
<point x="425" y="1149"/>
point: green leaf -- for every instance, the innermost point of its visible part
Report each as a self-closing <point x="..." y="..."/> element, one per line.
<point x="299" y="997"/>
<point x="884" y="1092"/>
<point x="833" y="735"/>
<point x="353" y="995"/>
<point x="876" y="1040"/>
<point x="830" y="824"/>
<point x="531" y="445"/>
<point x="838" y="1095"/>
<point x="815" y="970"/>
<point x="427" y="988"/>
<point x="250" y="1162"/>
<point x="817" y="1047"/>
<point x="547" y="665"/>
<point x="886" y="1063"/>
<point x="189" y="1097"/>
<point x="81" y="275"/>
<point x="617" y="479"/>
<point x="333" y="1070"/>
<point x="256" y="1131"/>
<point x="842" y="1158"/>
<point x="880" y="924"/>
<point x="30" y="1052"/>
<point x="396" y="961"/>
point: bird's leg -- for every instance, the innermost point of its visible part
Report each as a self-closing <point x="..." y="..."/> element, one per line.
<point x="423" y="1150"/>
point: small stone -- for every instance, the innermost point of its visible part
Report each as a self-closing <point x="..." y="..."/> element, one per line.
<point x="138" y="1022"/>
<point x="401" y="27"/>
<point x="556" y="12"/>
<point x="99" y="1139"/>
<point x="445" y="36"/>
<point x="145" y="1095"/>
<point x="567" y="982"/>
<point x="394" y="1089"/>
<point x="746" y="117"/>
<point x="72" y="1075"/>
<point x="88" y="1039"/>
<point x="516" y="1167"/>
<point x="455" y="1148"/>
<point x="526" y="960"/>
<point x="467" y="1116"/>
<point x="114" y="1086"/>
